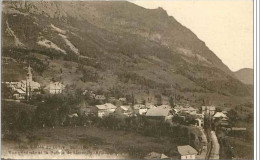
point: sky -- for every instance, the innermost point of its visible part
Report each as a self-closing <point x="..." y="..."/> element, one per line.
<point x="226" y="26"/>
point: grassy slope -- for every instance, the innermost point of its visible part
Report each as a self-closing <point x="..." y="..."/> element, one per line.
<point x="129" y="145"/>
<point x="244" y="147"/>
<point x="188" y="90"/>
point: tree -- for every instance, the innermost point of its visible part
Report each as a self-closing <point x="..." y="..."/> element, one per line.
<point x="233" y="115"/>
<point x="171" y="101"/>
<point x="143" y="102"/>
<point x="218" y="109"/>
<point x="133" y="99"/>
<point x="158" y="99"/>
<point x="6" y="91"/>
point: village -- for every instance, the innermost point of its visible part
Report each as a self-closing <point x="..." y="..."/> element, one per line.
<point x="207" y="120"/>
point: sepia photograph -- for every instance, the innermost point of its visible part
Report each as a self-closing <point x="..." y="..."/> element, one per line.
<point x="159" y="79"/>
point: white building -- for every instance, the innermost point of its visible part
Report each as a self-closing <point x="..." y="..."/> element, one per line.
<point x="19" y="94"/>
<point x="105" y="109"/>
<point x="56" y="87"/>
<point x="220" y="115"/>
<point x="189" y="110"/>
<point x="210" y="110"/>
<point x="28" y="86"/>
<point x="160" y="113"/>
<point x="187" y="152"/>
<point x="140" y="109"/>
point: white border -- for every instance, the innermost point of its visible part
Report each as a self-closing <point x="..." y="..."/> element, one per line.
<point x="256" y="79"/>
<point x="256" y="73"/>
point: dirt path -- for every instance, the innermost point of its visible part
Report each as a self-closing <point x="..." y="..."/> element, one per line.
<point x="214" y="154"/>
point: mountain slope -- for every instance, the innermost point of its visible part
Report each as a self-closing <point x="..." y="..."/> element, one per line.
<point x="117" y="46"/>
<point x="126" y="17"/>
<point x="245" y="75"/>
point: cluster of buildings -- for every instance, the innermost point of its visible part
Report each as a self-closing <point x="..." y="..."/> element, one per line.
<point x="118" y="107"/>
<point x="163" y="112"/>
<point x="25" y="89"/>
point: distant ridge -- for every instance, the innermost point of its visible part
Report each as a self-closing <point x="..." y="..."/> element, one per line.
<point x="245" y="75"/>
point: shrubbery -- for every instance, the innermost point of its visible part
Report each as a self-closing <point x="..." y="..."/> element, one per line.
<point x="23" y="55"/>
<point x="55" y="110"/>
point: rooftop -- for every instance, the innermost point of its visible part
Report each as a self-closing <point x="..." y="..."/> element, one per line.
<point x="186" y="150"/>
<point x="219" y="115"/>
<point x="158" y="112"/>
<point x="106" y="106"/>
<point x="125" y="108"/>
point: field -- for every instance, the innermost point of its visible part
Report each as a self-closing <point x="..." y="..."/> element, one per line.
<point x="242" y="148"/>
<point x="84" y="142"/>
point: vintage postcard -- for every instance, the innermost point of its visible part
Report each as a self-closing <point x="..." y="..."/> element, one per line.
<point x="127" y="79"/>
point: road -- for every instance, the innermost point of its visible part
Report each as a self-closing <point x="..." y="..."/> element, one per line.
<point x="203" y="153"/>
<point x="214" y="154"/>
<point x="212" y="146"/>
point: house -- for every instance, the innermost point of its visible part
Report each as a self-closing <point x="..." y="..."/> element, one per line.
<point x="56" y="87"/>
<point x="19" y="94"/>
<point x="220" y="116"/>
<point x="187" y="152"/>
<point x="155" y="155"/>
<point x="221" y="120"/>
<point x="140" y="109"/>
<point x="89" y="92"/>
<point x="28" y="86"/>
<point x="29" y="83"/>
<point x="199" y="122"/>
<point x="208" y="110"/>
<point x="124" y="111"/>
<point x="12" y="85"/>
<point x="112" y="99"/>
<point x="189" y="110"/>
<point x="100" y="97"/>
<point x="159" y="113"/>
<point x="105" y="109"/>
<point x="122" y="99"/>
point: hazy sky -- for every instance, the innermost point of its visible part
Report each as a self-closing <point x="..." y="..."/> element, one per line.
<point x="226" y="26"/>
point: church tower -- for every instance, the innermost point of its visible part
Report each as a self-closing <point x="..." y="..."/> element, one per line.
<point x="29" y="75"/>
<point x="28" y="83"/>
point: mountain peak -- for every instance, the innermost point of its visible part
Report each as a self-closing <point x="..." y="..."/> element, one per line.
<point x="245" y="75"/>
<point x="114" y="44"/>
